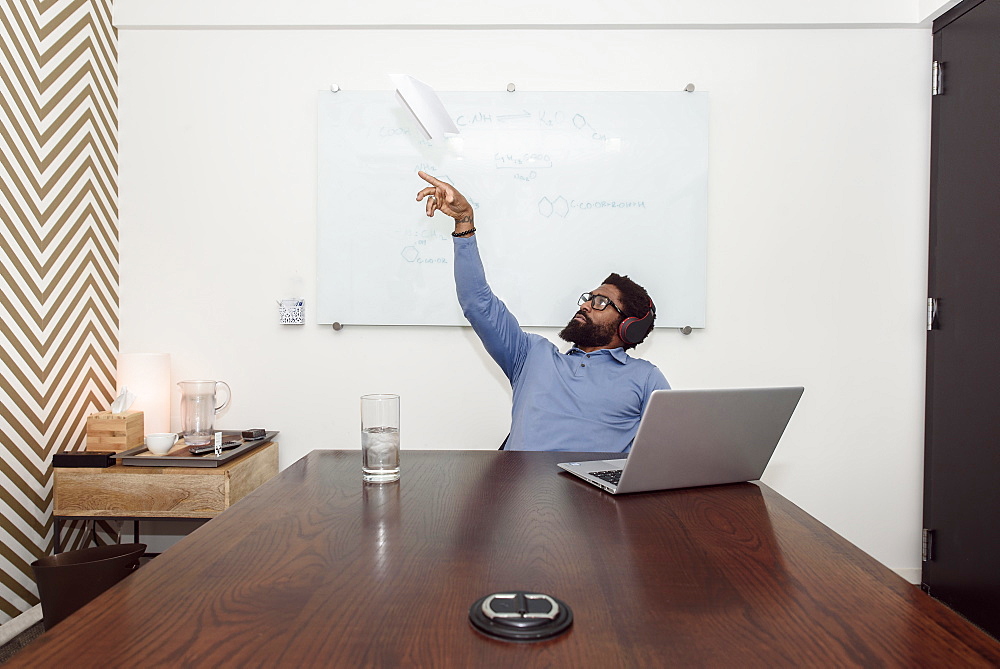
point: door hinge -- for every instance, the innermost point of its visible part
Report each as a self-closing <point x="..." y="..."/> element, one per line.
<point x="937" y="82"/>
<point x="932" y="313"/>
<point x="927" y="546"/>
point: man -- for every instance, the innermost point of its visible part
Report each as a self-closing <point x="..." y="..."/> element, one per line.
<point x="590" y="398"/>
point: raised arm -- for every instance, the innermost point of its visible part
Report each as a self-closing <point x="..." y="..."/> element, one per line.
<point x="497" y="328"/>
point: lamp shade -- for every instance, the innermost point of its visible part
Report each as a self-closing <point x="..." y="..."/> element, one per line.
<point x="147" y="375"/>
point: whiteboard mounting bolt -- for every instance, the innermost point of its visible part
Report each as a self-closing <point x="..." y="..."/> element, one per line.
<point x="511" y="88"/>
<point x="335" y="88"/>
<point x="689" y="88"/>
<point x="686" y="330"/>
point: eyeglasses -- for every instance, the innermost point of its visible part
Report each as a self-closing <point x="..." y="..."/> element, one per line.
<point x="598" y="302"/>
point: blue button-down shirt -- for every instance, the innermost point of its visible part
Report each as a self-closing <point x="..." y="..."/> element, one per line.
<point x="575" y="401"/>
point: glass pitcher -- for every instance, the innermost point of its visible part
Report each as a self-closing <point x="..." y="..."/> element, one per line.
<point x="198" y="409"/>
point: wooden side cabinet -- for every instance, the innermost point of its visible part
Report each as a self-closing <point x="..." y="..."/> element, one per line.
<point x="158" y="492"/>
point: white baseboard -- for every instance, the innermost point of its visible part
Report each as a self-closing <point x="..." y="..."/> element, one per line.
<point x="15" y="626"/>
<point x="911" y="574"/>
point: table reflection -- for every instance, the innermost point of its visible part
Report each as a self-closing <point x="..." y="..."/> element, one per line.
<point x="381" y="519"/>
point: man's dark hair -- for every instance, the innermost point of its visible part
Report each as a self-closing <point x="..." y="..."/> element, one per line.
<point x="635" y="300"/>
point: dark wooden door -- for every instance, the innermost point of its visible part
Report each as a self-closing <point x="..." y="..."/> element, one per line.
<point x="962" y="450"/>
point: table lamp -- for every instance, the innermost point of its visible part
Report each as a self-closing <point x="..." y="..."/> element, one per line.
<point x="147" y="375"/>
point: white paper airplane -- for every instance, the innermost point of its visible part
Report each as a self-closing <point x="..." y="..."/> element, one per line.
<point x="425" y="106"/>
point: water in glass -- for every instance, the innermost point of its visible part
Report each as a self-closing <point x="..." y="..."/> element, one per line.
<point x="380" y="454"/>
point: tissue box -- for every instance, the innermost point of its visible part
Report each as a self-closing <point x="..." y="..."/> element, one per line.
<point x="117" y="432"/>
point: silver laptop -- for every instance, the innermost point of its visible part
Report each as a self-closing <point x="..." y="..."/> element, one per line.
<point x="691" y="438"/>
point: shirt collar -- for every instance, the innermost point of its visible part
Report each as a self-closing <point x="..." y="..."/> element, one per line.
<point x="618" y="354"/>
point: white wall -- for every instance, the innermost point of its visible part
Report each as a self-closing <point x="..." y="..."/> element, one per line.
<point x="817" y="237"/>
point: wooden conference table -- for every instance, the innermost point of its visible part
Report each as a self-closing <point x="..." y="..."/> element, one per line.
<point x="315" y="568"/>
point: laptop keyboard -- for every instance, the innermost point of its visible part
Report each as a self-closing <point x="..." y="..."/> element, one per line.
<point x="611" y="476"/>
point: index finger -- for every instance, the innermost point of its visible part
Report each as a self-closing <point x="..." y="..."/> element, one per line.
<point x="431" y="180"/>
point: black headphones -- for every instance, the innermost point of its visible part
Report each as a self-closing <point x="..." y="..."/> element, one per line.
<point x="633" y="330"/>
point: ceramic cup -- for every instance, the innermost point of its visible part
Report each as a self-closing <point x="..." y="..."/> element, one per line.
<point x="160" y="442"/>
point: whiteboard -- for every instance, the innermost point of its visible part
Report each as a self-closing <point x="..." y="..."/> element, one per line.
<point x="567" y="187"/>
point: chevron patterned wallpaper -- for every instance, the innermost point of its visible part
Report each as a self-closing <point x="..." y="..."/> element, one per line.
<point x="59" y="245"/>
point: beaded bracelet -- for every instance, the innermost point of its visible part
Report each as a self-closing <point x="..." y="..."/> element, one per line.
<point x="463" y="234"/>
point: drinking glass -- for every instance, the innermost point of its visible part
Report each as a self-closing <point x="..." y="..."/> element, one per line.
<point x="380" y="438"/>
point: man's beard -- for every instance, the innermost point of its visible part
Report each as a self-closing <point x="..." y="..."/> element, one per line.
<point x="588" y="334"/>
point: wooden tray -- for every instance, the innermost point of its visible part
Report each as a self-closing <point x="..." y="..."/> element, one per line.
<point x="178" y="456"/>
